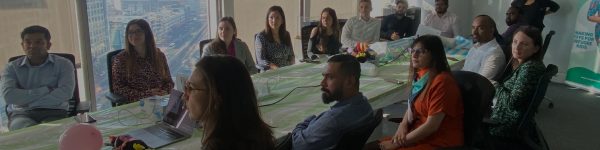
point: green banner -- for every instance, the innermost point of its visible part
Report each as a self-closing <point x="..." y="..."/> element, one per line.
<point x="584" y="64"/>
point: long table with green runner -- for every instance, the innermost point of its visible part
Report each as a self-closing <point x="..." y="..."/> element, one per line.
<point x="380" y="87"/>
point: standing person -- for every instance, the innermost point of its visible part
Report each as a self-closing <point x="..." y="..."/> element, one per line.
<point x="37" y="86"/>
<point x="514" y="20"/>
<point x="227" y="43"/>
<point x="141" y="70"/>
<point x="535" y="10"/>
<point x="398" y="25"/>
<point x="273" y="44"/>
<point x="362" y="29"/>
<point x="229" y="114"/>
<point x="435" y="115"/>
<point x="442" y="20"/>
<point x="325" y="38"/>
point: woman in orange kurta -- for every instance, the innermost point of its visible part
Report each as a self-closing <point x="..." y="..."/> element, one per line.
<point x="435" y="115"/>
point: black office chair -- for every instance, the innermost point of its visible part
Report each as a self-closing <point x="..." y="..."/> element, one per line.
<point x="415" y="14"/>
<point x="529" y="132"/>
<point x="305" y="35"/>
<point x="202" y="44"/>
<point x="115" y="99"/>
<point x="544" y="50"/>
<point x="74" y="101"/>
<point x="356" y="139"/>
<point x="477" y="93"/>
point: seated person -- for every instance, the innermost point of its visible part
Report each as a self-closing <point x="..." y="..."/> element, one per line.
<point x="352" y="111"/>
<point x="362" y="29"/>
<point x="325" y="38"/>
<point x="486" y="56"/>
<point x="37" y="87"/>
<point x="274" y="45"/>
<point x="514" y="20"/>
<point x="141" y="70"/>
<point x="435" y="115"/>
<point x="398" y="25"/>
<point x="514" y="93"/>
<point x="442" y="19"/>
<point x="227" y="43"/>
<point x="228" y="114"/>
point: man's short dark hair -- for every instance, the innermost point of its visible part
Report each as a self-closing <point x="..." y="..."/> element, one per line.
<point x="349" y="66"/>
<point x="36" y="29"/>
<point x="401" y="1"/>
<point x="445" y="1"/>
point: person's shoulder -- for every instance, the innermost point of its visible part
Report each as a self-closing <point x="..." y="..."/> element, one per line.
<point x="240" y="42"/>
<point x="59" y="59"/>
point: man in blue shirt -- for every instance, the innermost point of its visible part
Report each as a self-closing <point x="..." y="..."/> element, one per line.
<point x="352" y="111"/>
<point x="37" y="87"/>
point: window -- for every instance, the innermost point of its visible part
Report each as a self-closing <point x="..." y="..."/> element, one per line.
<point x="178" y="27"/>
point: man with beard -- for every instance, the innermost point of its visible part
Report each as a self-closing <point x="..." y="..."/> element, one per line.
<point x="442" y="20"/>
<point x="37" y="87"/>
<point x="513" y="20"/>
<point x="397" y="25"/>
<point x="352" y="111"/>
<point x="486" y="56"/>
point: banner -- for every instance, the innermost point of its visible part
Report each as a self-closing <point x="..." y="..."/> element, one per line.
<point x="584" y="64"/>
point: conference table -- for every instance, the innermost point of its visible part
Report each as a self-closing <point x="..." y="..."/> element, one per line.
<point x="382" y="85"/>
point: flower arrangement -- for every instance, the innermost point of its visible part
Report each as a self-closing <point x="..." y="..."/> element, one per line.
<point x="362" y="52"/>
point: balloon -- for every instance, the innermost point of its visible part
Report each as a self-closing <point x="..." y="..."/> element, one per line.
<point x="81" y="137"/>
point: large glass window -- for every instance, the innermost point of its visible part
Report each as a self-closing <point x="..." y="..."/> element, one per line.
<point x="178" y="27"/>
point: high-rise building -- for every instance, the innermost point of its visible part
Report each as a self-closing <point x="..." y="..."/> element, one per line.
<point x="98" y="26"/>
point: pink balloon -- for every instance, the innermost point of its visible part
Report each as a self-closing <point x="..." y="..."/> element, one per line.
<point x="81" y="137"/>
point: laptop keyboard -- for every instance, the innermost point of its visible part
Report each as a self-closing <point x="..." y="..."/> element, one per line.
<point x="165" y="132"/>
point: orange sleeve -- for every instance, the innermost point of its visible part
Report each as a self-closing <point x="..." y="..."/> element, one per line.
<point x="445" y="96"/>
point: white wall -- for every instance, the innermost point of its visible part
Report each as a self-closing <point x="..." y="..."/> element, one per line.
<point x="563" y="22"/>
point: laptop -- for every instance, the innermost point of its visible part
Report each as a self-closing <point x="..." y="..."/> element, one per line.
<point x="175" y="125"/>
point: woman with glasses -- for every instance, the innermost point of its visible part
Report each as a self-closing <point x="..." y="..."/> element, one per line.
<point x="141" y="69"/>
<point x="229" y="114"/>
<point x="434" y="118"/>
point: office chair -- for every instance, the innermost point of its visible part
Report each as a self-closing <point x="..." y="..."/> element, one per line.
<point x="115" y="99"/>
<point x="530" y="132"/>
<point x="74" y="101"/>
<point x="357" y="138"/>
<point x="202" y="44"/>
<point x="544" y="50"/>
<point x="477" y="93"/>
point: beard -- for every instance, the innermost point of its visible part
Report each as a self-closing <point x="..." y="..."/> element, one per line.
<point x="329" y="96"/>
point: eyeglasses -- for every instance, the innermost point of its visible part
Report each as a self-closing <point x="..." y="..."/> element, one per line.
<point x="188" y="87"/>
<point x="136" y="32"/>
<point x="417" y="51"/>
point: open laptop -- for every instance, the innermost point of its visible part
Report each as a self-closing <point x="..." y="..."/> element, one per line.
<point x="175" y="125"/>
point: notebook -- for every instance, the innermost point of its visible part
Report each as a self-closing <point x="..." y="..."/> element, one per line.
<point x="175" y="125"/>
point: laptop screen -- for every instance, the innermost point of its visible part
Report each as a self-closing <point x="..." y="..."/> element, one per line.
<point x="176" y="114"/>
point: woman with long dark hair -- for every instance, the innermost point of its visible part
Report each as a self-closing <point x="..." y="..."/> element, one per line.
<point x="325" y="38"/>
<point x="227" y="43"/>
<point x="229" y="114"/>
<point x="435" y="115"/>
<point x="141" y="69"/>
<point x="273" y="44"/>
